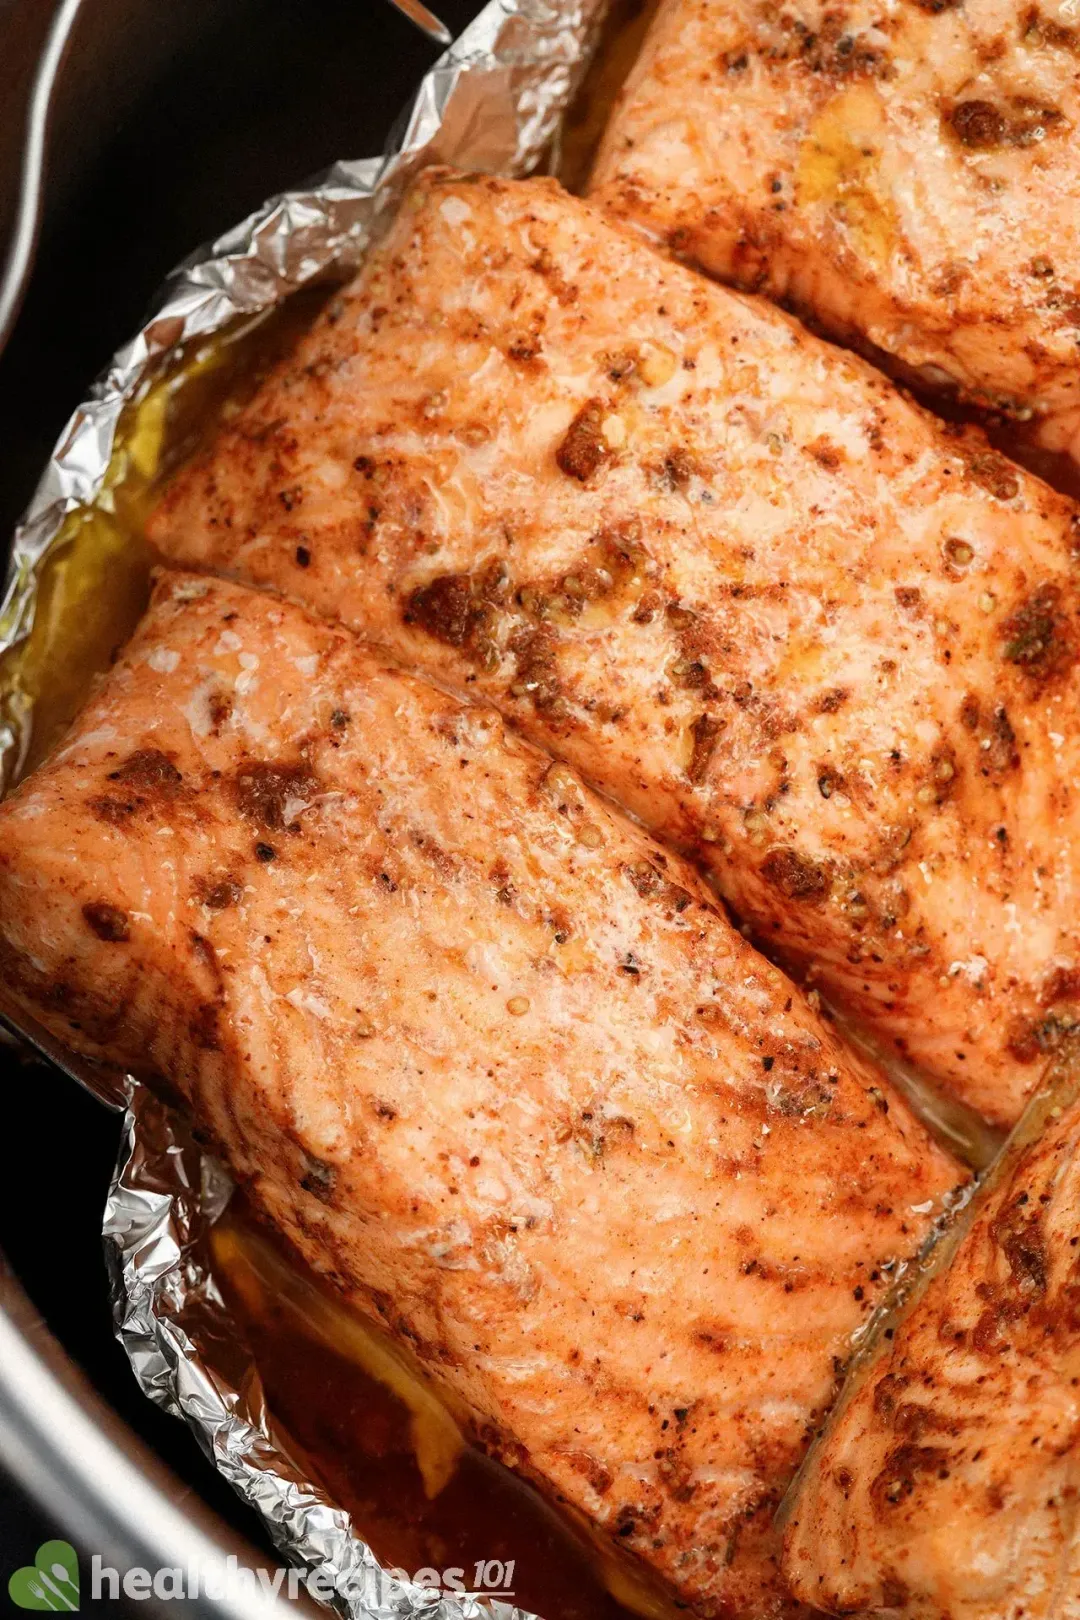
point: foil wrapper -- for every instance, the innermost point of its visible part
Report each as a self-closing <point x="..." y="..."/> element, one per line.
<point x="189" y="1357"/>
<point x="493" y="102"/>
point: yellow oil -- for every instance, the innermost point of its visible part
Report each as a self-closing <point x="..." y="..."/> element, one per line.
<point x="838" y="167"/>
<point x="93" y="585"/>
<point x="362" y="1418"/>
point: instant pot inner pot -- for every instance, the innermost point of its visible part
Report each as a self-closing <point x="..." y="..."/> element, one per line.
<point x="171" y="122"/>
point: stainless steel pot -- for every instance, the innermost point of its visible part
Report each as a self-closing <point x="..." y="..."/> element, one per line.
<point x="26" y="163"/>
<point x="99" y="1484"/>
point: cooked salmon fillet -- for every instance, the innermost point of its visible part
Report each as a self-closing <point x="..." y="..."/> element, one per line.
<point x="948" y="1483"/>
<point x="725" y="570"/>
<point x="495" y="1064"/>
<point x="906" y="174"/>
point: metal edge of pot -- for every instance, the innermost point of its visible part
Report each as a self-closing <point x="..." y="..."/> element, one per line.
<point x="87" y="1470"/>
<point x="19" y="259"/>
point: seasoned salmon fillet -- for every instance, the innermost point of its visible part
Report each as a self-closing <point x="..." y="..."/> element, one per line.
<point x="490" y="1059"/>
<point x="948" y="1483"/>
<point x="905" y="174"/>
<point x="728" y="572"/>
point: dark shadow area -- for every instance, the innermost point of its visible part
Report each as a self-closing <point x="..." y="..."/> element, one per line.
<point x="173" y="123"/>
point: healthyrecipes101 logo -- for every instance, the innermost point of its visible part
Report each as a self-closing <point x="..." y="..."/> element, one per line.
<point x="50" y="1582"/>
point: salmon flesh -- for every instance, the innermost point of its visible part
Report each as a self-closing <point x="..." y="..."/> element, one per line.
<point x="948" y="1481"/>
<point x="495" y="1064"/>
<point x="732" y="575"/>
<point x="904" y="175"/>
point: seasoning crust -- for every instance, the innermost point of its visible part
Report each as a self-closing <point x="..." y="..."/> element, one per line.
<point x="905" y="175"/>
<point x="805" y="632"/>
<point x="946" y="1484"/>
<point x="495" y="1063"/>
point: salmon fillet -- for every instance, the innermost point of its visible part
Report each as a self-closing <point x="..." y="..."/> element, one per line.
<point x="726" y="571"/>
<point x="904" y="174"/>
<point x="489" y="1058"/>
<point x="948" y="1482"/>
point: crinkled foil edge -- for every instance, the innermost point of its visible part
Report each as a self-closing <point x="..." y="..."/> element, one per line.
<point x="493" y="103"/>
<point x="189" y="1357"/>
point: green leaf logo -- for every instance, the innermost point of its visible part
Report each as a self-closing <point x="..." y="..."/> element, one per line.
<point x="50" y="1582"/>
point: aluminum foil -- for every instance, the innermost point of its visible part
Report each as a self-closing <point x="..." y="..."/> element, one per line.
<point x="493" y="102"/>
<point x="189" y="1357"/>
